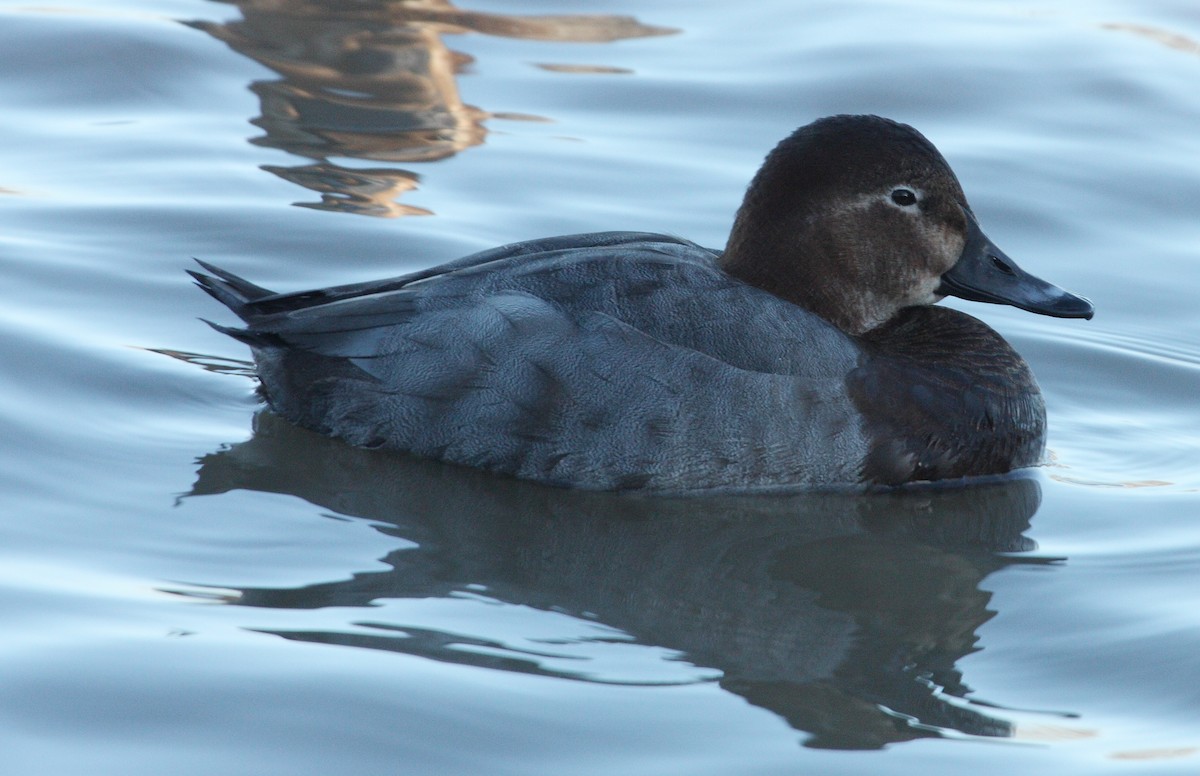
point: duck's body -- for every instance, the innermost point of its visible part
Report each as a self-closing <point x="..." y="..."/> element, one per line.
<point x="622" y="360"/>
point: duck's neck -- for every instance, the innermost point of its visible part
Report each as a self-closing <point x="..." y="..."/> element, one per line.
<point x="764" y="251"/>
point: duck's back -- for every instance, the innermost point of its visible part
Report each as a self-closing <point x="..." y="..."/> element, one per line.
<point x="614" y="360"/>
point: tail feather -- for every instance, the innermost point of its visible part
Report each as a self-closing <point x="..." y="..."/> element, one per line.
<point x="254" y="339"/>
<point x="245" y="287"/>
<point x="239" y="295"/>
<point x="234" y="292"/>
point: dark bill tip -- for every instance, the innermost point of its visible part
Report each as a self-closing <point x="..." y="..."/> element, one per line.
<point x="1069" y="306"/>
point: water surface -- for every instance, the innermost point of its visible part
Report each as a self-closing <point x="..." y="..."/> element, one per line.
<point x="190" y="585"/>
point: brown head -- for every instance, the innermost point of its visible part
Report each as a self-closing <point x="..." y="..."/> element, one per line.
<point x="859" y="217"/>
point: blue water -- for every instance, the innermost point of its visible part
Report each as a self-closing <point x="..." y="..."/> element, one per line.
<point x="190" y="586"/>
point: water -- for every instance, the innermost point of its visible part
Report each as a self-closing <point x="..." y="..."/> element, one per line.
<point x="190" y="586"/>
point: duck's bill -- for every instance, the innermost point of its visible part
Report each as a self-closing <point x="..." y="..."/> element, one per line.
<point x="984" y="273"/>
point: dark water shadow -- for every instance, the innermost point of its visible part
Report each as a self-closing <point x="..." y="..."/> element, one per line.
<point x="844" y="615"/>
<point x="373" y="80"/>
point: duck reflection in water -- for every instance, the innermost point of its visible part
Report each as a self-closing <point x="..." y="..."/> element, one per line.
<point x="845" y="615"/>
<point x="373" y="80"/>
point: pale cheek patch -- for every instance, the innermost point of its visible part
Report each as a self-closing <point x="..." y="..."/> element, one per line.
<point x="918" y="287"/>
<point x="952" y="244"/>
<point x="926" y="291"/>
<point x="944" y="246"/>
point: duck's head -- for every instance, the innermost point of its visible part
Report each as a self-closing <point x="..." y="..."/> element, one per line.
<point x="858" y="217"/>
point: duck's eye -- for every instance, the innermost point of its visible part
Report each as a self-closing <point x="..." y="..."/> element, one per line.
<point x="904" y="197"/>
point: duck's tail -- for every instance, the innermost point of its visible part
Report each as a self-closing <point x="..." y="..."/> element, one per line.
<point x="236" y="293"/>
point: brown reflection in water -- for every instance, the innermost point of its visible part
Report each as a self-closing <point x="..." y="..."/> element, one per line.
<point x="1167" y="38"/>
<point x="373" y="80"/>
<point x="371" y="192"/>
<point x="584" y="69"/>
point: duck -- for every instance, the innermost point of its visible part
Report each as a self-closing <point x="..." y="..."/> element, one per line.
<point x="807" y="355"/>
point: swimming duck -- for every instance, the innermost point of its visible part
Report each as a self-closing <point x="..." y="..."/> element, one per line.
<point x="807" y="354"/>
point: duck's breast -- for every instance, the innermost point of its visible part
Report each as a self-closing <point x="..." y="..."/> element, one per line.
<point x="944" y="396"/>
